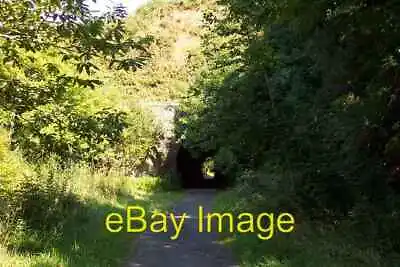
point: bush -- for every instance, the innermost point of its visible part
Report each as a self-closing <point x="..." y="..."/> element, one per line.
<point x="30" y="202"/>
<point x="148" y="184"/>
<point x="295" y="100"/>
<point x="107" y="137"/>
<point x="138" y="139"/>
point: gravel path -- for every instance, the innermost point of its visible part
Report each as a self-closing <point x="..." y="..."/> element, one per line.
<point x="191" y="249"/>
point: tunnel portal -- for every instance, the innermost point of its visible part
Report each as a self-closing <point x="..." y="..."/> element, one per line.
<point x="190" y="171"/>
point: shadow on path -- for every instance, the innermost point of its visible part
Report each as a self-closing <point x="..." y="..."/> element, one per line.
<point x="192" y="248"/>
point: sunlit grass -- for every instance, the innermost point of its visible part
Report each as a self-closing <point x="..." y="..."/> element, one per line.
<point x="307" y="246"/>
<point x="85" y="241"/>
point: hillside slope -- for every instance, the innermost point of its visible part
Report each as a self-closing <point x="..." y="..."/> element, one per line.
<point x="175" y="52"/>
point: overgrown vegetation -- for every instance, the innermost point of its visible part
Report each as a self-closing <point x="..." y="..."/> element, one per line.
<point x="174" y="29"/>
<point x="49" y="105"/>
<point x="68" y="142"/>
<point x="300" y="100"/>
<point x="52" y="216"/>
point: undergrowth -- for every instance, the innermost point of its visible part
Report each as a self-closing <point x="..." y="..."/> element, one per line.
<point x="311" y="244"/>
<point x="55" y="217"/>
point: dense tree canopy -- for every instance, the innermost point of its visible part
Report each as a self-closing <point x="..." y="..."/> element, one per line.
<point x="49" y="51"/>
<point x="305" y="95"/>
<point x="299" y="100"/>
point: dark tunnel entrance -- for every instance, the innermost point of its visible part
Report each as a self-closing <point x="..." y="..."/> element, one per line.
<point x="192" y="172"/>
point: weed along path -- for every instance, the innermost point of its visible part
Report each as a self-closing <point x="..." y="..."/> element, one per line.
<point x="190" y="248"/>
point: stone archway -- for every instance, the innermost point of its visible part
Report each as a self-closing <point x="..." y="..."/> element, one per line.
<point x="190" y="171"/>
<point x="172" y="157"/>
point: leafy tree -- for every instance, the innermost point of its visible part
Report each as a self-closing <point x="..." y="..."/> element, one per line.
<point x="49" y="51"/>
<point x="311" y="92"/>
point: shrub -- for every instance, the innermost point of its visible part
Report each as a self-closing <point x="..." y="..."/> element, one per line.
<point x="294" y="96"/>
<point x="148" y="184"/>
<point x="32" y="201"/>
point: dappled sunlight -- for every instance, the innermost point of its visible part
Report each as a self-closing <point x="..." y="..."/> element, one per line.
<point x="227" y="240"/>
<point x="199" y="133"/>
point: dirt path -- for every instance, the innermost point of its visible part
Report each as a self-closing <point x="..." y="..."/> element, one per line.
<point x="191" y="249"/>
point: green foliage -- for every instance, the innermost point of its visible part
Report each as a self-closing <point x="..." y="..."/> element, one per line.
<point x="138" y="139"/>
<point x="52" y="215"/>
<point x="302" y="96"/>
<point x="148" y="184"/>
<point x="44" y="97"/>
<point x="172" y="30"/>
<point x="56" y="114"/>
<point x="60" y="130"/>
<point x="308" y="245"/>
<point x="30" y="201"/>
<point x="102" y="136"/>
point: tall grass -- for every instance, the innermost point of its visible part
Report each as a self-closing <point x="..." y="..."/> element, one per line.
<point x="310" y="245"/>
<point x="74" y="235"/>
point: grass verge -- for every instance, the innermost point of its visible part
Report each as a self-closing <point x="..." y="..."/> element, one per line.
<point x="308" y="246"/>
<point x="83" y="239"/>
